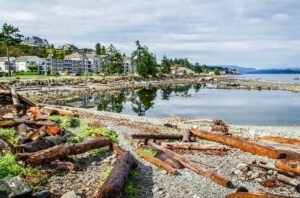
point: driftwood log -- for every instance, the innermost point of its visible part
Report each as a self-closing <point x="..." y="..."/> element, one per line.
<point x="186" y="136"/>
<point x="15" y="97"/>
<point x="156" y="137"/>
<point x="240" y="144"/>
<point x="53" y="111"/>
<point x="60" y="151"/>
<point x="190" y="165"/>
<point x="164" y="157"/>
<point x="255" y="195"/>
<point x="292" y="166"/>
<point x="40" y="145"/>
<point x="290" y="181"/>
<point x="157" y="162"/>
<point x="264" y="166"/>
<point x="9" y="123"/>
<point x="282" y="140"/>
<point x="192" y="146"/>
<point x="114" y="184"/>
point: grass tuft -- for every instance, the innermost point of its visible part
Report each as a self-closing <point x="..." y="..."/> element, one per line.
<point x="150" y="152"/>
<point x="131" y="190"/>
<point x="9" y="167"/>
<point x="9" y="135"/>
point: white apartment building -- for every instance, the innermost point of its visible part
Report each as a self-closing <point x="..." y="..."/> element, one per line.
<point x="4" y="64"/>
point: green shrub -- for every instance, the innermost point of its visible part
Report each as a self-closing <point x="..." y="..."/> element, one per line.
<point x="9" y="166"/>
<point x="9" y="135"/>
<point x="150" y="152"/>
<point x="65" y="122"/>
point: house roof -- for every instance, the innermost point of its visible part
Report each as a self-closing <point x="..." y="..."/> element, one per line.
<point x="25" y="58"/>
<point x="3" y="59"/>
<point x="75" y="55"/>
<point x="92" y="55"/>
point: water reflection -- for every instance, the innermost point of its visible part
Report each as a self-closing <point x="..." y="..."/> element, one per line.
<point x="234" y="106"/>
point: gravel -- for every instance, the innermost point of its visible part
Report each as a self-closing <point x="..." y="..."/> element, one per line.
<point x="154" y="182"/>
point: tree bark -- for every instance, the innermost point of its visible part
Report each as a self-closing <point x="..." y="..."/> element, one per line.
<point x="290" y="181"/>
<point x="60" y="151"/>
<point x="292" y="166"/>
<point x="255" y="195"/>
<point x="240" y="144"/>
<point x="282" y="140"/>
<point x="157" y="162"/>
<point x="115" y="183"/>
<point x="188" y="164"/>
<point x="192" y="146"/>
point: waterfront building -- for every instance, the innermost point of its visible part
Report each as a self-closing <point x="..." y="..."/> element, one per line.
<point x="35" y="41"/>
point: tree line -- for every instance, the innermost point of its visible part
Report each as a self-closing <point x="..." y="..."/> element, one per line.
<point x="141" y="58"/>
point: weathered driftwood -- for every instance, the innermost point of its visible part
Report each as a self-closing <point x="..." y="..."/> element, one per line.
<point x="15" y="97"/>
<point x="260" y="165"/>
<point x="220" y="128"/>
<point x="9" y="123"/>
<point x="114" y="184"/>
<point x="156" y="137"/>
<point x="240" y="144"/>
<point x="255" y="195"/>
<point x="35" y="146"/>
<point x="292" y="166"/>
<point x="52" y="111"/>
<point x="164" y="157"/>
<point x="118" y="150"/>
<point x="60" y="151"/>
<point x="197" y="120"/>
<point x="5" y="92"/>
<point x="186" y="136"/>
<point x="168" y="160"/>
<point x="192" y="146"/>
<point x="62" y="165"/>
<point x="290" y="181"/>
<point x="282" y="140"/>
<point x="188" y="164"/>
<point x="157" y="162"/>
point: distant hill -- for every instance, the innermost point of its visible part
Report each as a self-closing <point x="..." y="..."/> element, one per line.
<point x="239" y="69"/>
<point x="275" y="71"/>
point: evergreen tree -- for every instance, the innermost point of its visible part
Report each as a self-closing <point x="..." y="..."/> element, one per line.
<point x="103" y="50"/>
<point x="113" y="61"/>
<point x="144" y="61"/>
<point x="98" y="48"/>
<point x="9" y="37"/>
<point x="165" y="65"/>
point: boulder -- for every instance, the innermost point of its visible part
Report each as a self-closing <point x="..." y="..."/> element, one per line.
<point x="17" y="187"/>
<point x="70" y="194"/>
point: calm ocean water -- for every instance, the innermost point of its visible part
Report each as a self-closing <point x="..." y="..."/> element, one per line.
<point x="241" y="107"/>
<point x="284" y="78"/>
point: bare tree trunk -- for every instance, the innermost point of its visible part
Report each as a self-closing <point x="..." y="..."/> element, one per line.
<point x="7" y="53"/>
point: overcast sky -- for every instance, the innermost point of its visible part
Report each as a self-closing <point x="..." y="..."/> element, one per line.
<point x="259" y="33"/>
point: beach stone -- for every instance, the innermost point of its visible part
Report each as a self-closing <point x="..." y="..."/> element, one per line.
<point x="5" y="190"/>
<point x="42" y="194"/>
<point x="18" y="187"/>
<point x="70" y="194"/>
<point x="237" y="172"/>
<point x="254" y="175"/>
<point x="270" y="172"/>
<point x="243" y="167"/>
<point x="249" y="173"/>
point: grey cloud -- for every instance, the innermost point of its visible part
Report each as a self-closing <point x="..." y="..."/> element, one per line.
<point x="262" y="33"/>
